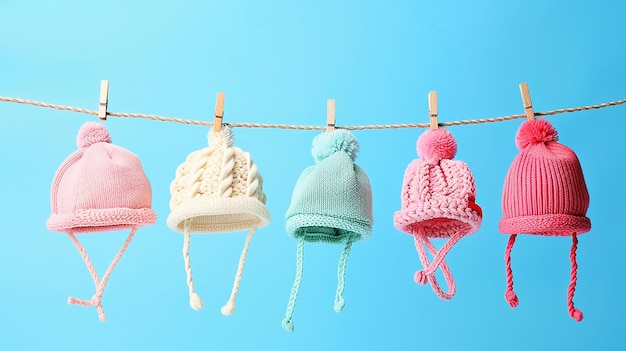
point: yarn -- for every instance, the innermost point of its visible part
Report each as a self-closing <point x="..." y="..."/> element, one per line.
<point x="195" y="301"/>
<point x="326" y="144"/>
<point x="224" y="137"/>
<point x="535" y="131"/>
<point x="91" y="133"/>
<point x="436" y="144"/>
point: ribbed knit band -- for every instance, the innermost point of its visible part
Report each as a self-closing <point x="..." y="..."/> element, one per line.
<point x="551" y="224"/>
<point x="324" y="228"/>
<point x="441" y="219"/>
<point x="218" y="215"/>
<point x="101" y="220"/>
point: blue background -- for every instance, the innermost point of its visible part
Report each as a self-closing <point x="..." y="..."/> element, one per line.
<point x="278" y="62"/>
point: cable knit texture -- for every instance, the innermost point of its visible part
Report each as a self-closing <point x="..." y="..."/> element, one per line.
<point x="438" y="201"/>
<point x="544" y="194"/>
<point x="331" y="203"/>
<point x="100" y="187"/>
<point x="217" y="189"/>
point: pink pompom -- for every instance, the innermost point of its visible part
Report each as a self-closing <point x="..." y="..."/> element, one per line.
<point x="535" y="131"/>
<point x="91" y="133"/>
<point x="436" y="144"/>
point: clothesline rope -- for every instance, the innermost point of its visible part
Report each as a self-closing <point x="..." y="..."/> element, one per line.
<point x="297" y="127"/>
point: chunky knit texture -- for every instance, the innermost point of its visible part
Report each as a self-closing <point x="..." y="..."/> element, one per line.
<point x="331" y="203"/>
<point x="100" y="187"/>
<point x="438" y="201"/>
<point x="217" y="189"/>
<point x="544" y="194"/>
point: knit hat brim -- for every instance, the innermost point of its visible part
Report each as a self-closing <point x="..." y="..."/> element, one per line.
<point x="329" y="229"/>
<point x="101" y="220"/>
<point x="219" y="215"/>
<point x="550" y="224"/>
<point x="438" y="224"/>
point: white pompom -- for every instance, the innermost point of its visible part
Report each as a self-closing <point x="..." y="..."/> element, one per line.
<point x="228" y="308"/>
<point x="195" y="301"/>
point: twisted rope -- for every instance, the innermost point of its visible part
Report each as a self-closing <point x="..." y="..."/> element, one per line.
<point x="296" y="127"/>
<point x="574" y="312"/>
<point x="229" y="307"/>
<point x="341" y="278"/>
<point x="510" y="295"/>
<point x="291" y="305"/>
<point x="96" y="299"/>
<point x="194" y="300"/>
<point x="428" y="273"/>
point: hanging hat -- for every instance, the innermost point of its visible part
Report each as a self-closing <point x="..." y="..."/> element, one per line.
<point x="544" y="194"/>
<point x="331" y="203"/>
<point x="100" y="187"/>
<point x="438" y="201"/>
<point x="217" y="189"/>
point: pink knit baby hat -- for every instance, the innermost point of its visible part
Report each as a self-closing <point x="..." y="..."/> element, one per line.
<point x="438" y="201"/>
<point x="544" y="194"/>
<point x="99" y="187"/>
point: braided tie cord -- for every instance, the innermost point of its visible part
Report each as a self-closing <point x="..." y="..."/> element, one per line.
<point x="194" y="300"/>
<point x="573" y="312"/>
<point x="510" y="295"/>
<point x="341" y="275"/>
<point x="229" y="307"/>
<point x="428" y="273"/>
<point x="287" y="322"/>
<point x="96" y="299"/>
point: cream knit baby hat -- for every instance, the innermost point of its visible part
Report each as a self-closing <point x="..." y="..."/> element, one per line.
<point x="217" y="189"/>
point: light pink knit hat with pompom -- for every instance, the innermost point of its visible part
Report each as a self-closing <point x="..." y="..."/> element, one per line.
<point x="544" y="194"/>
<point x="99" y="187"/>
<point x="438" y="201"/>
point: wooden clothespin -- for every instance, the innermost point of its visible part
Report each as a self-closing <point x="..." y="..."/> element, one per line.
<point x="104" y="100"/>
<point x="528" y="104"/>
<point x="330" y="116"/>
<point x="219" y="112"/>
<point x="433" y="110"/>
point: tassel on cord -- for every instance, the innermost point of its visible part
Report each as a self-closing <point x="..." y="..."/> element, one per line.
<point x="341" y="275"/>
<point x="287" y="322"/>
<point x="573" y="312"/>
<point x="510" y="295"/>
<point x="229" y="307"/>
<point x="194" y="300"/>
<point x="96" y="299"/>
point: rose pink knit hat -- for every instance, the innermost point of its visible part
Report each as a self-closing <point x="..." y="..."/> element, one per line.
<point x="544" y="194"/>
<point x="438" y="201"/>
<point x="100" y="187"/>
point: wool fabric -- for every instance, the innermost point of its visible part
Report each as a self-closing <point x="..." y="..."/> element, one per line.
<point x="544" y="194"/>
<point x="99" y="187"/>
<point x="217" y="189"/>
<point x="438" y="201"/>
<point x="331" y="203"/>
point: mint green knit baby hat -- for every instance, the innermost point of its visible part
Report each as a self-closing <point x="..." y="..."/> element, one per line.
<point x="331" y="203"/>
